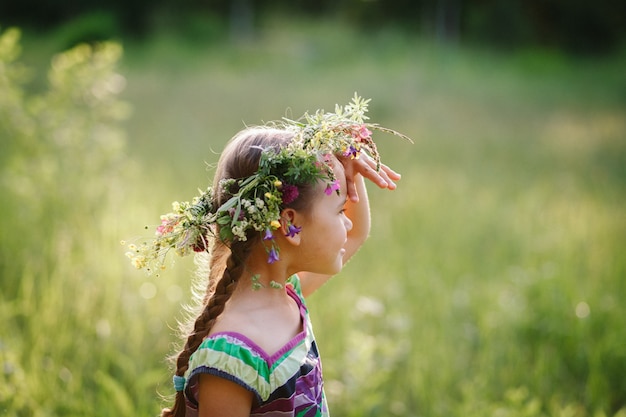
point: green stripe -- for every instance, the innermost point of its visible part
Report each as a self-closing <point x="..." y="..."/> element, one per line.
<point x="248" y="366"/>
<point x="233" y="366"/>
<point x="242" y="353"/>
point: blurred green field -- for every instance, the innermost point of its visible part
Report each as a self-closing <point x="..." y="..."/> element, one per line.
<point x="493" y="281"/>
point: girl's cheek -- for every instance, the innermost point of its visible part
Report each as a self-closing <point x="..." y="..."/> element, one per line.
<point x="347" y="223"/>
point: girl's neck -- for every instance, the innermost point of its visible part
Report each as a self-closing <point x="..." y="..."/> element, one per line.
<point x="259" y="275"/>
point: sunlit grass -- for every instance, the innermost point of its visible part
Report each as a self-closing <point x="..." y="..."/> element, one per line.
<point x="493" y="278"/>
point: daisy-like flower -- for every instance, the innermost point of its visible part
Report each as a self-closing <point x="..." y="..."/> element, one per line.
<point x="293" y="230"/>
<point x="332" y="186"/>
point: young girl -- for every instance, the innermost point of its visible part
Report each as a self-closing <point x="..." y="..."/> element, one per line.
<point x="288" y="208"/>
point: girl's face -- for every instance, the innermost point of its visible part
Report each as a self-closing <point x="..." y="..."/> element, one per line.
<point x="325" y="230"/>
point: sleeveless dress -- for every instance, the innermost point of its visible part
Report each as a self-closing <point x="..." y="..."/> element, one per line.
<point x="287" y="383"/>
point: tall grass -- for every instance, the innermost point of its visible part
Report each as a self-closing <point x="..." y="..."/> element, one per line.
<point x="491" y="285"/>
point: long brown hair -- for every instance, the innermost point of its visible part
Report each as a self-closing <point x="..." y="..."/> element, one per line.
<point x="239" y="159"/>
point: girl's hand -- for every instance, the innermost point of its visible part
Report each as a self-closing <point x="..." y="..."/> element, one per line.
<point x="365" y="166"/>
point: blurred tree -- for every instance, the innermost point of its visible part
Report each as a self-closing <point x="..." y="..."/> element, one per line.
<point x="575" y="25"/>
<point x="241" y="19"/>
<point x="578" y="25"/>
<point x="61" y="150"/>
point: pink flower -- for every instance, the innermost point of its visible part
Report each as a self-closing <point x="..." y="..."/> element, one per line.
<point x="290" y="193"/>
<point x="361" y="132"/>
<point x="164" y="228"/>
<point x="332" y="186"/>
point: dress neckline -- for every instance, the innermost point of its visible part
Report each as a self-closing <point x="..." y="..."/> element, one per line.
<point x="270" y="359"/>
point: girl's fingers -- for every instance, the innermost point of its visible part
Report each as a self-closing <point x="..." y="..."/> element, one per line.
<point x="352" y="193"/>
<point x="384" y="178"/>
<point x="366" y="166"/>
<point x="390" y="172"/>
<point x="390" y="184"/>
<point x="367" y="169"/>
<point x="350" y="184"/>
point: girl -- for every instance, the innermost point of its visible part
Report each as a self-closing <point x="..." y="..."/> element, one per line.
<point x="287" y="209"/>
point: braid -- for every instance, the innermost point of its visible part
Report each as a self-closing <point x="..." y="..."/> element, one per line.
<point x="219" y="256"/>
<point x="213" y="307"/>
<point x="240" y="159"/>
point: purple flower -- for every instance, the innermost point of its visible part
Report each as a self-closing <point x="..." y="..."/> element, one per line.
<point x="268" y="234"/>
<point x="231" y="212"/>
<point x="273" y="256"/>
<point x="332" y="186"/>
<point x="352" y="152"/>
<point x="290" y="193"/>
<point x="293" y="230"/>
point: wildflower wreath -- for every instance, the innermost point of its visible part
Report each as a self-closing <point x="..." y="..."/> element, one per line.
<point x="260" y="198"/>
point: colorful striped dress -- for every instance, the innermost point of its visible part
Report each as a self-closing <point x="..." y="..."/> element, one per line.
<point x="287" y="383"/>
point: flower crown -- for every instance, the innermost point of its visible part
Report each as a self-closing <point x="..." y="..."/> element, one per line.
<point x="257" y="204"/>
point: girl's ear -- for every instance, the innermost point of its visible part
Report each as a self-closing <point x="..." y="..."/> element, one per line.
<point x="288" y="226"/>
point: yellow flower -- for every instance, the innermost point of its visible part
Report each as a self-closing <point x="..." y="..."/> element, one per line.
<point x="278" y="183"/>
<point x="275" y="224"/>
<point x="268" y="195"/>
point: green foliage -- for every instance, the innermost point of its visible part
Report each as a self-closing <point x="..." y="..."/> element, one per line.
<point x="576" y="26"/>
<point x="63" y="162"/>
<point x="492" y="283"/>
<point x="96" y="26"/>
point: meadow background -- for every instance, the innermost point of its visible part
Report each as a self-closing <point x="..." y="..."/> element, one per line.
<point x="493" y="282"/>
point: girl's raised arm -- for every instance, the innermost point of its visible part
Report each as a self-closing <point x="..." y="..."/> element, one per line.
<point x="357" y="210"/>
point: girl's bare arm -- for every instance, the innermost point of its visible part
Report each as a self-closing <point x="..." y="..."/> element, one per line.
<point x="219" y="397"/>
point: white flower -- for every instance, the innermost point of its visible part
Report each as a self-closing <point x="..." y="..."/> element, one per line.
<point x="240" y="231"/>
